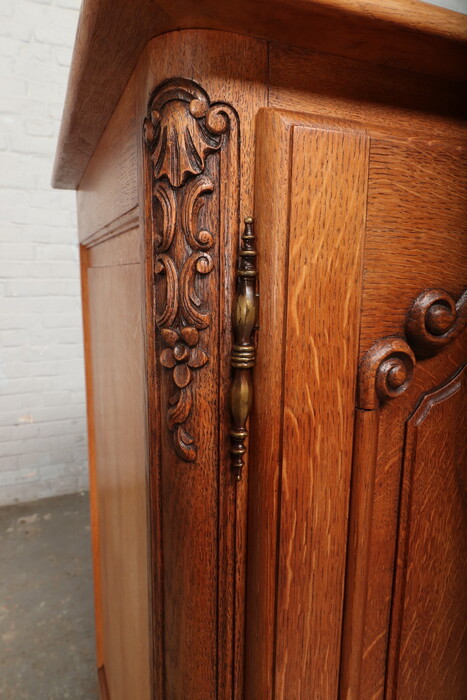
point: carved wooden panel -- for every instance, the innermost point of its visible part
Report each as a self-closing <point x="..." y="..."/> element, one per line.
<point x="192" y="157"/>
<point x="193" y="147"/>
<point x="434" y="320"/>
<point x="428" y="648"/>
<point x="195" y="202"/>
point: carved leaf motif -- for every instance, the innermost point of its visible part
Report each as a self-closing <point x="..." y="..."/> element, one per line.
<point x="169" y="336"/>
<point x="184" y="444"/>
<point x="177" y="414"/>
<point x="182" y="375"/>
<point x="198" y="358"/>
<point x="182" y="144"/>
<point x="167" y="358"/>
<point x="180" y="407"/>
<point x="190" y="335"/>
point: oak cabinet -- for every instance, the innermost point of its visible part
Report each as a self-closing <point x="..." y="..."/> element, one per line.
<point x="274" y="259"/>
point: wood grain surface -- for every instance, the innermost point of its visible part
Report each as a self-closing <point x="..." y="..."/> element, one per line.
<point x="109" y="187"/>
<point x="428" y="636"/>
<point x="416" y="228"/>
<point x="362" y="493"/>
<point x="119" y="437"/>
<point x="91" y="428"/>
<point x="327" y="165"/>
<point x="271" y="216"/>
<point x="367" y="93"/>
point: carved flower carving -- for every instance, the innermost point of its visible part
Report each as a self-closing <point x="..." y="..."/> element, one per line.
<point x="182" y="353"/>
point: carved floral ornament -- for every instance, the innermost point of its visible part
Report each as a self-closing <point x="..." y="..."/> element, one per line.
<point x="434" y="320"/>
<point x="181" y="131"/>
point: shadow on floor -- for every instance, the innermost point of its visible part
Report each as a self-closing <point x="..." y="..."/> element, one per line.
<point x="47" y="643"/>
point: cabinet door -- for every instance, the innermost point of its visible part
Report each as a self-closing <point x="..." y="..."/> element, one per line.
<point x="406" y="601"/>
<point x="353" y="227"/>
<point x="310" y="215"/>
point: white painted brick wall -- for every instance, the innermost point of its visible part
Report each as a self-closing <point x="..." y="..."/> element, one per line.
<point x="42" y="403"/>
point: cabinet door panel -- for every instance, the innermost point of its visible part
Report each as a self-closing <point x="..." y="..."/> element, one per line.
<point x="351" y="229"/>
<point x="310" y="210"/>
<point x="430" y="602"/>
<point x="415" y="240"/>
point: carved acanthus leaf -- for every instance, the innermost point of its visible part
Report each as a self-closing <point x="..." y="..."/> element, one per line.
<point x="164" y="235"/>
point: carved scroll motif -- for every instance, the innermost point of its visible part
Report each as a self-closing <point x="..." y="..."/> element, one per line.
<point x="186" y="137"/>
<point x="433" y="321"/>
<point x="386" y="372"/>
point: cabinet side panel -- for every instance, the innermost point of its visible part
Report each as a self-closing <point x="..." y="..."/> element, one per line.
<point x="120" y="444"/>
<point x="109" y="188"/>
<point x="84" y="264"/>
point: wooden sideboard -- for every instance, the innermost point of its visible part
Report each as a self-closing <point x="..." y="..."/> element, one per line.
<point x="272" y="216"/>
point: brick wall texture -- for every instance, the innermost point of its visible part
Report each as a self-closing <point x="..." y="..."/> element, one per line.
<point x="42" y="402"/>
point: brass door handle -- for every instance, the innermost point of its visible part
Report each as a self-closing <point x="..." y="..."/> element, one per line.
<point x="243" y="355"/>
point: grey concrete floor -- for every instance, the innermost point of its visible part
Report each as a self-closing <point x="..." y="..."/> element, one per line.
<point x="47" y="647"/>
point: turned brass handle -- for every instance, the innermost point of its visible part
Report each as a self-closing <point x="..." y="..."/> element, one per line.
<point x="244" y="349"/>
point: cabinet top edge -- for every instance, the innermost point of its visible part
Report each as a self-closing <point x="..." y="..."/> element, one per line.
<point x="406" y="34"/>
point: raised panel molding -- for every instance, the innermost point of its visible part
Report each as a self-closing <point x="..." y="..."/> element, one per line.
<point x="386" y="371"/>
<point x="430" y="593"/>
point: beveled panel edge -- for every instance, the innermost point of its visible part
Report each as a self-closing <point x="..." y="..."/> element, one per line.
<point x="121" y="224"/>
